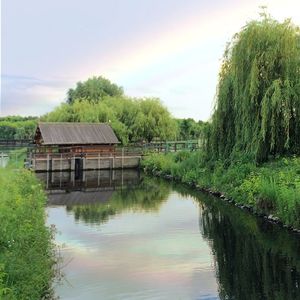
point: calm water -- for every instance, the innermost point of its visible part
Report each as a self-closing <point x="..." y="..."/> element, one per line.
<point x="127" y="236"/>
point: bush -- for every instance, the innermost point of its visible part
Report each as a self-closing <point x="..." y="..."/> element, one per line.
<point x="26" y="250"/>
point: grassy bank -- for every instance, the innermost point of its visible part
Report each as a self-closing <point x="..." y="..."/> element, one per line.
<point x="26" y="250"/>
<point x="272" y="188"/>
<point x="17" y="157"/>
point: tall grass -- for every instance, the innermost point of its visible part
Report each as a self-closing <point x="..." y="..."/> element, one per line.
<point x="26" y="250"/>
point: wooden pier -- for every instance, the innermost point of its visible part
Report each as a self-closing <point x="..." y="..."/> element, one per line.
<point x="70" y="161"/>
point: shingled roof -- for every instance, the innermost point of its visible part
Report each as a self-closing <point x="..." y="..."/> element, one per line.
<point x="76" y="133"/>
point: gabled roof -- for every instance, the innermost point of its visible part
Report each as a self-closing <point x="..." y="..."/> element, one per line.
<point x="76" y="133"/>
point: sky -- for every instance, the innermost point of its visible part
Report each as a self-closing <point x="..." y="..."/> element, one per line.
<point x="170" y="49"/>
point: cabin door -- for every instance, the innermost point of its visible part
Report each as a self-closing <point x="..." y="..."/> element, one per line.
<point x="78" y="168"/>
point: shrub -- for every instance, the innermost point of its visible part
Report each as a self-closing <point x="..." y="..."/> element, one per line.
<point x="26" y="250"/>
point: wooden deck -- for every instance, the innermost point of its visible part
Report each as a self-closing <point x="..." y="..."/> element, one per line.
<point x="43" y="162"/>
<point x="63" y="159"/>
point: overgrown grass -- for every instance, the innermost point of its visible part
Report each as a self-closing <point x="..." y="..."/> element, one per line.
<point x="271" y="188"/>
<point x="26" y="250"/>
<point x="16" y="158"/>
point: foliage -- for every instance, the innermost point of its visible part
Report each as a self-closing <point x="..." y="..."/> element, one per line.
<point x="94" y="90"/>
<point x="16" y="127"/>
<point x="189" y="129"/>
<point x="258" y="100"/>
<point x="16" y="157"/>
<point x="26" y="250"/>
<point x="132" y="119"/>
<point x="272" y="188"/>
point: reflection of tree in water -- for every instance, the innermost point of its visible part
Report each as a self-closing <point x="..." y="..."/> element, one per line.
<point x="254" y="260"/>
<point x="146" y="196"/>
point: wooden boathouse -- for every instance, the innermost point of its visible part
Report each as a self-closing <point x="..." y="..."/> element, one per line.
<point x="78" y="146"/>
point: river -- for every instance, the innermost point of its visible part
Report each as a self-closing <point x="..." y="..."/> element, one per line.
<point x="123" y="235"/>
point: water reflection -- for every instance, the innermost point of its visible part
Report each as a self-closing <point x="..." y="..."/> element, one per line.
<point x="144" y="197"/>
<point x="135" y="237"/>
<point x="88" y="180"/>
<point x="254" y="259"/>
<point x="97" y="195"/>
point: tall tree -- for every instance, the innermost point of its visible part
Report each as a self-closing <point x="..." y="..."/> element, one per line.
<point x="258" y="100"/>
<point x="132" y="119"/>
<point x="94" y="90"/>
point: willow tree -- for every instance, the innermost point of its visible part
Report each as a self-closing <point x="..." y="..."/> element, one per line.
<point x="257" y="108"/>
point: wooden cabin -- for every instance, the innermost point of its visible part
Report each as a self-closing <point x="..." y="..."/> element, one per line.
<point x="75" y="138"/>
<point x="77" y="147"/>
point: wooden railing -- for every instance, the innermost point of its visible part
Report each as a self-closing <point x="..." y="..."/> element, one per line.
<point x="38" y="154"/>
<point x="43" y="152"/>
<point x="171" y="146"/>
<point x="16" y="143"/>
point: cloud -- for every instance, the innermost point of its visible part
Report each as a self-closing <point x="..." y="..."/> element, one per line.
<point x="24" y="95"/>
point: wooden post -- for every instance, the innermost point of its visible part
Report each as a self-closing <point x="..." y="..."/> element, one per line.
<point x="111" y="162"/>
<point x="83" y="162"/>
<point x="47" y="186"/>
<point x="122" y="178"/>
<point x="122" y="159"/>
<point x="61" y="162"/>
<point x="73" y="178"/>
<point x="47" y="162"/>
<point x="60" y="178"/>
<point x="99" y="161"/>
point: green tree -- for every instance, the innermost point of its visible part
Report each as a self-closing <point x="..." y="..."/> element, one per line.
<point x="190" y="129"/>
<point x="131" y="119"/>
<point x="154" y="121"/>
<point x="94" y="90"/>
<point x="16" y="127"/>
<point x="258" y="100"/>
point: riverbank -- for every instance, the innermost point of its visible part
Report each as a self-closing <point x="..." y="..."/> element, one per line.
<point x="270" y="190"/>
<point x="27" y="257"/>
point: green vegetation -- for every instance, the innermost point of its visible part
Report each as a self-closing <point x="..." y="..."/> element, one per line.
<point x="98" y="100"/>
<point x="258" y="99"/>
<point x="257" y="116"/>
<point x="94" y="90"/>
<point x="16" y="127"/>
<point x="272" y="188"/>
<point x="189" y="129"/>
<point x="16" y="157"/>
<point x="26" y="251"/>
<point x="132" y="119"/>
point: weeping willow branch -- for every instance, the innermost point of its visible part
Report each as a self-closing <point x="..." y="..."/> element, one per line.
<point x="257" y="107"/>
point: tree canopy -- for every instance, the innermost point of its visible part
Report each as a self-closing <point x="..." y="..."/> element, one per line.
<point x="257" y="108"/>
<point x="189" y="129"/>
<point x="17" y="127"/>
<point x="132" y="119"/>
<point x="94" y="90"/>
